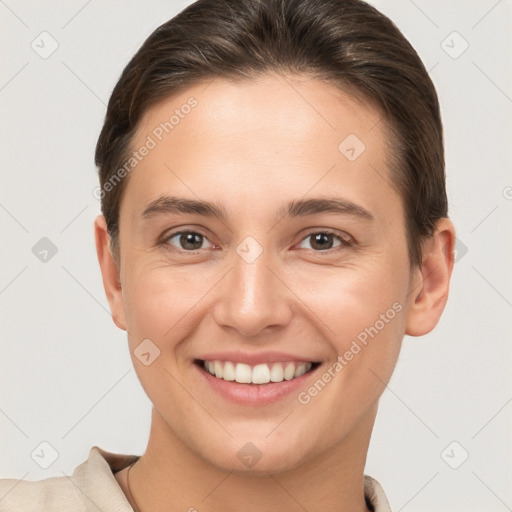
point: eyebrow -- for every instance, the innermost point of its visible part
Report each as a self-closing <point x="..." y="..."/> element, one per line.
<point x="298" y="208"/>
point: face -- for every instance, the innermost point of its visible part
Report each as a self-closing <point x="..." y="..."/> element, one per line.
<point x="300" y="250"/>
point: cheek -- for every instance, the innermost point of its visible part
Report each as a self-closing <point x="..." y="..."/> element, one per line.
<point x="366" y="326"/>
<point x="161" y="301"/>
<point x="364" y="315"/>
<point x="162" y="307"/>
<point x="350" y="299"/>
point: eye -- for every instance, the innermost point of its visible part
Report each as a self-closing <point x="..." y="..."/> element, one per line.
<point x="323" y="240"/>
<point x="186" y="240"/>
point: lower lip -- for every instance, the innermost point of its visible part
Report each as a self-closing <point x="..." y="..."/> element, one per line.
<point x="255" y="394"/>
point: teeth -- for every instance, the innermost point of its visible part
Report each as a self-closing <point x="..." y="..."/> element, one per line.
<point x="259" y="374"/>
<point x="218" y="368"/>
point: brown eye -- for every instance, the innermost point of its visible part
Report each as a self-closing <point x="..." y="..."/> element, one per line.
<point x="187" y="240"/>
<point x="325" y="240"/>
<point x="322" y="241"/>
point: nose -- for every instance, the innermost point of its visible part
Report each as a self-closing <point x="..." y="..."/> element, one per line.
<point x="252" y="297"/>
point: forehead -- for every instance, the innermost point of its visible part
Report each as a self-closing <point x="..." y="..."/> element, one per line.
<point x="277" y="135"/>
<point x="303" y="108"/>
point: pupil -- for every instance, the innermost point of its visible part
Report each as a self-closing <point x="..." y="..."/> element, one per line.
<point x="321" y="237"/>
<point x="193" y="239"/>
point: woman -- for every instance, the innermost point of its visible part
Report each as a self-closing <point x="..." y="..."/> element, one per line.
<point x="274" y="221"/>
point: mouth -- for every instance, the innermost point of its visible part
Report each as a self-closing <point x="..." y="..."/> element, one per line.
<point x="256" y="375"/>
<point x="255" y="386"/>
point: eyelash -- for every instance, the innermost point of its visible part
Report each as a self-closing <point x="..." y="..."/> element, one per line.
<point x="346" y="241"/>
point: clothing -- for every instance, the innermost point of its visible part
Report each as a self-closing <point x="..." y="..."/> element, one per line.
<point x="93" y="487"/>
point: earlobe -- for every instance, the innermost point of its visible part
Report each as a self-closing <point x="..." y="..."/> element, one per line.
<point x="430" y="283"/>
<point x="110" y="272"/>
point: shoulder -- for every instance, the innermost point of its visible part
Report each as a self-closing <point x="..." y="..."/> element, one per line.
<point x="57" y="492"/>
<point x="376" y="498"/>
<point x="92" y="486"/>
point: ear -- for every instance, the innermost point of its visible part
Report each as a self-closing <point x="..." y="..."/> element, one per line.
<point x="109" y="272"/>
<point x="431" y="281"/>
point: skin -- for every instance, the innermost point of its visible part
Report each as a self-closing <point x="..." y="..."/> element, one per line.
<point x="252" y="147"/>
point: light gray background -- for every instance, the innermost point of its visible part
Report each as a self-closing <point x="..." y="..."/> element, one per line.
<point x="65" y="373"/>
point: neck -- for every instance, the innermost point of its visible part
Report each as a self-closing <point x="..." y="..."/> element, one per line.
<point x="169" y="472"/>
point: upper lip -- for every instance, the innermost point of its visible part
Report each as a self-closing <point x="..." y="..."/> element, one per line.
<point x="253" y="358"/>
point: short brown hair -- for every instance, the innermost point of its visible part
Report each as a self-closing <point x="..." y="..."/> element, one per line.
<point x="346" y="42"/>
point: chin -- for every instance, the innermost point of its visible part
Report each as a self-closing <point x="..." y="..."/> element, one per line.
<point x="252" y="459"/>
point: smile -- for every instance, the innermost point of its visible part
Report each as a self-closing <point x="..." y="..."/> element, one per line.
<point x="258" y="374"/>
